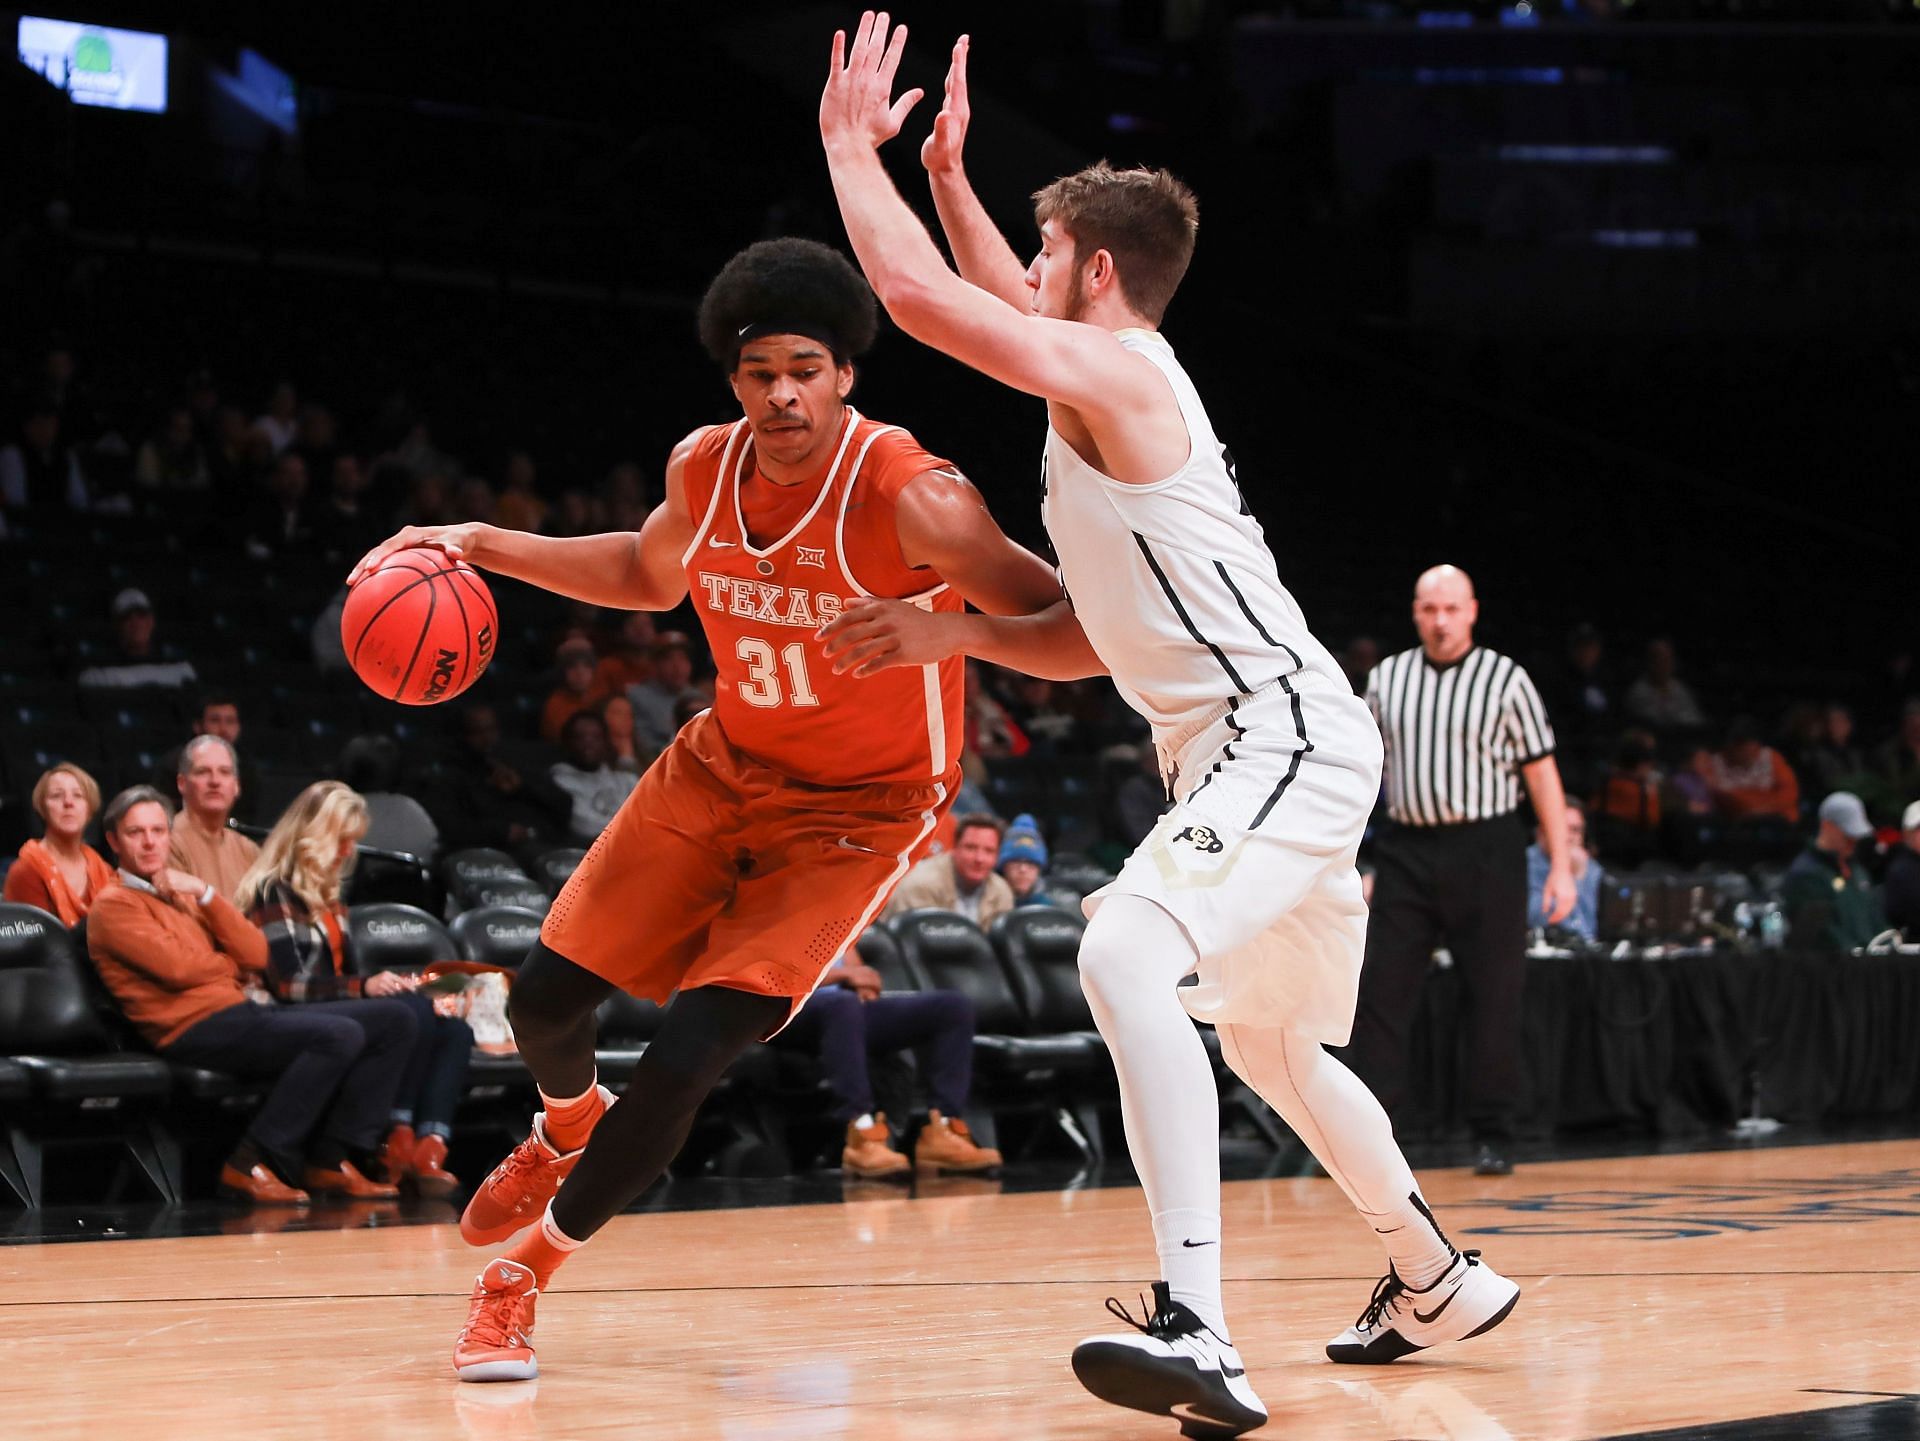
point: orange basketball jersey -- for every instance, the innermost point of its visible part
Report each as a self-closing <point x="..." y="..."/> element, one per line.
<point x="824" y="542"/>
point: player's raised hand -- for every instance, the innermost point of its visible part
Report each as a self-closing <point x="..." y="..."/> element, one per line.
<point x="856" y="107"/>
<point x="873" y="634"/>
<point x="458" y="541"/>
<point x="941" y="151"/>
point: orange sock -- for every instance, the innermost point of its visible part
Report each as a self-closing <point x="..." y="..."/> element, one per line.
<point x="542" y="1250"/>
<point x="570" y="1122"/>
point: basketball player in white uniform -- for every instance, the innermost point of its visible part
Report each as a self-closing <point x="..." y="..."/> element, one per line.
<point x="1249" y="881"/>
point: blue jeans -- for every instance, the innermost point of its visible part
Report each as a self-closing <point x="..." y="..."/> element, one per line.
<point x="436" y="1073"/>
<point x="842" y="1030"/>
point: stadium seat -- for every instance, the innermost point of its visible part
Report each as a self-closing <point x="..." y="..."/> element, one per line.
<point x="469" y="867"/>
<point x="1076" y="873"/>
<point x="555" y="867"/>
<point x="80" y="1090"/>
<point x="388" y="937"/>
<point x="1040" y="947"/>
<point x="876" y="947"/>
<point x="627" y="1023"/>
<point x="524" y="894"/>
<point x="495" y="935"/>
<point x="1015" y="1065"/>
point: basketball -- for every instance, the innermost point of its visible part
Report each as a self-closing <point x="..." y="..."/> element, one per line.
<point x="421" y="627"/>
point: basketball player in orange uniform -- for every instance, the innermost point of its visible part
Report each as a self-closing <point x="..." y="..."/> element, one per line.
<point x="772" y="830"/>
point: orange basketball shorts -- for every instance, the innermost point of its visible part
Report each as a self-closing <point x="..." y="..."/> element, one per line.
<point x="721" y="871"/>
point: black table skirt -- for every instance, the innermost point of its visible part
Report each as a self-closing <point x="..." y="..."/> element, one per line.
<point x="1690" y="1044"/>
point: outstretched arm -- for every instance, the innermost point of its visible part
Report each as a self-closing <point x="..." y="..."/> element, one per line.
<point x="979" y="249"/>
<point x="1081" y="366"/>
<point x="623" y="570"/>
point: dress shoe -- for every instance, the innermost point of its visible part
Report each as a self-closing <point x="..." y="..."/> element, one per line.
<point x="396" y="1155"/>
<point x="346" y="1180"/>
<point x="429" y="1168"/>
<point x="260" y="1186"/>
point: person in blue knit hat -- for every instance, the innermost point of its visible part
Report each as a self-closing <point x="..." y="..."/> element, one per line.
<point x="1023" y="861"/>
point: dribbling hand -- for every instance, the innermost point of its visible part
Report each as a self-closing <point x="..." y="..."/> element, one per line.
<point x="941" y="151"/>
<point x="458" y="541"/>
<point x="855" y="106"/>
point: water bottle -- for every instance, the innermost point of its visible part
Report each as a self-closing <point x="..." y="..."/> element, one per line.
<point x="1773" y="929"/>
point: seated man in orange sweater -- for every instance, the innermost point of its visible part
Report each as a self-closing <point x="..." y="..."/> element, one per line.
<point x="1750" y="781"/>
<point x="179" y="959"/>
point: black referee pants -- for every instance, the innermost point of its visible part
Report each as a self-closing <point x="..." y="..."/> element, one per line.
<point x="1463" y="887"/>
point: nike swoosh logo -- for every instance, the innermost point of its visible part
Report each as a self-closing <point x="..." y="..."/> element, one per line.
<point x="1197" y="1244"/>
<point x="1231" y="1374"/>
<point x="720" y="544"/>
<point x="1424" y="1319"/>
<point x="847" y="845"/>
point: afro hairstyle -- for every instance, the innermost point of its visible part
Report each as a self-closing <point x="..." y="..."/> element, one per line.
<point x="788" y="287"/>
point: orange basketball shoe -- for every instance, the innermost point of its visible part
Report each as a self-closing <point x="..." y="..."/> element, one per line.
<point x="518" y="1189"/>
<point x="496" y="1344"/>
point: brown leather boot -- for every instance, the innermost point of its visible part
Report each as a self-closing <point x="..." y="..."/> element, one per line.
<point x="429" y="1167"/>
<point x="947" y="1145"/>
<point x="346" y="1180"/>
<point x="396" y="1156"/>
<point x="869" y="1153"/>
<point x="260" y="1186"/>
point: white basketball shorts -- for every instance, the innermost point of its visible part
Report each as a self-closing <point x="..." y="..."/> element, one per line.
<point x="1256" y="858"/>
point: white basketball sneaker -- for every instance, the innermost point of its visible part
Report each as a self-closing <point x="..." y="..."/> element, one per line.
<point x="1470" y="1298"/>
<point x="1175" y="1366"/>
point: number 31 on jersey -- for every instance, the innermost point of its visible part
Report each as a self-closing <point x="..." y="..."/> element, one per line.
<point x="762" y="686"/>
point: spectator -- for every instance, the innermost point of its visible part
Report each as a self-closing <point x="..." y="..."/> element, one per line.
<point x="576" y="692"/>
<point x="429" y="501"/>
<point x="1141" y="799"/>
<point x="653" y="700"/>
<point x="171" y="459"/>
<point x="293" y="894"/>
<point x="1584" y="919"/>
<point x="1627" y="804"/>
<point x="280" y="524"/>
<point x="623" y="497"/>
<point x="573" y="515"/>
<point x="1578" y="687"/>
<point x="473" y="500"/>
<point x="230" y="460"/>
<point x="181" y="960"/>
<point x="61" y="873"/>
<point x="1357" y="661"/>
<point x="1750" y="781"/>
<point x="139" y="660"/>
<point x="319" y="439"/>
<point x="280" y="426"/>
<point x="520" y="506"/>
<point x="1830" y="903"/>
<point x="1837" y="758"/>
<point x="847" y="1019"/>
<point x="1036" y="710"/>
<point x="597" y="789"/>
<point x="992" y="733"/>
<point x="623" y="753"/>
<point x="1023" y="862"/>
<point x="1903" y="877"/>
<point x="39" y="472"/>
<point x="961" y="879"/>
<point x="370" y="765"/>
<point x="477" y="799"/>
<point x="218" y="714"/>
<point x="344" y="525"/>
<point x="204" y="844"/>
<point x="628" y="659"/>
<point x="1898" y="761"/>
<point x="1659" y="699"/>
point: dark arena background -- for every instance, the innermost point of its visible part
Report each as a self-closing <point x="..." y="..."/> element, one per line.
<point x="1610" y="303"/>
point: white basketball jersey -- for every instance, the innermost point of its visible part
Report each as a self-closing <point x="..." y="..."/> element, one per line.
<point x="1173" y="582"/>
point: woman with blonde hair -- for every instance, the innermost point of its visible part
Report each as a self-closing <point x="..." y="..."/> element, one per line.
<point x="61" y="873"/>
<point x="292" y="892"/>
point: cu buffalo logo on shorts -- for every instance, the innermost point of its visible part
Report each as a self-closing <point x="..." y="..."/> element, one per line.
<point x="1202" y="839"/>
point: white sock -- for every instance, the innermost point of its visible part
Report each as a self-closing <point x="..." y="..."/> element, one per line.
<point x="1189" y="1247"/>
<point x="1131" y="960"/>
<point x="1334" y="1114"/>
<point x="555" y="1237"/>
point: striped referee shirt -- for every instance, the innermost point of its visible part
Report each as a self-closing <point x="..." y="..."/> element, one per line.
<point x="1456" y="735"/>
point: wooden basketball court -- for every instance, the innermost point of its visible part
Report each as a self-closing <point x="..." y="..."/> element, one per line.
<point x="1685" y="1291"/>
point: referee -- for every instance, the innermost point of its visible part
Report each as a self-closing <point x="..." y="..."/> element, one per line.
<point x="1463" y="726"/>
